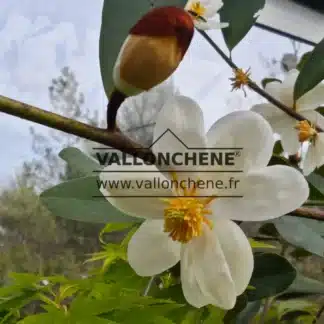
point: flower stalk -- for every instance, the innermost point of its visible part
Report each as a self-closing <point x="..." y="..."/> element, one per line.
<point x="253" y="86"/>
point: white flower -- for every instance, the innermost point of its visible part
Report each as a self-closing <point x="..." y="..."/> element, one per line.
<point x="315" y="153"/>
<point x="204" y="13"/>
<point x="215" y="255"/>
<point x="285" y="125"/>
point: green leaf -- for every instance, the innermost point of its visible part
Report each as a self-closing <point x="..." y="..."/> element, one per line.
<point x="297" y="233"/>
<point x="277" y="159"/>
<point x="321" y="111"/>
<point x="303" y="60"/>
<point x="75" y="200"/>
<point x="47" y="318"/>
<point x="260" y="245"/>
<point x="18" y="300"/>
<point x="121" y="272"/>
<point x="316" y="186"/>
<point x="231" y="315"/>
<point x="299" y="253"/>
<point x="240" y="16"/>
<point x="317" y="181"/>
<point x="113" y="227"/>
<point x="316" y="225"/>
<point x="192" y="317"/>
<point x="79" y="161"/>
<point x="272" y="274"/>
<point x="265" y="81"/>
<point x="251" y="309"/>
<point x="277" y="148"/>
<point x="303" y="286"/>
<point x="294" y="305"/>
<point x="173" y="293"/>
<point x="118" y="17"/>
<point x="215" y="315"/>
<point x="311" y="73"/>
<point x="269" y="229"/>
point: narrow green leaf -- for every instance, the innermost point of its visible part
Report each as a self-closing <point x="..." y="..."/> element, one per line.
<point x="240" y="16"/>
<point x="311" y="73"/>
<point x="75" y="200"/>
<point x="294" y="305"/>
<point x="215" y="315"/>
<point x="265" y="81"/>
<point x="118" y="17"/>
<point x="260" y="245"/>
<point x="113" y="227"/>
<point x="78" y="161"/>
<point x="272" y="274"/>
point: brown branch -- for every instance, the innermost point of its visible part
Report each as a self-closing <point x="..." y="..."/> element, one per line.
<point x="70" y="126"/>
<point x="98" y="135"/>
<point x="308" y="213"/>
<point x="253" y="86"/>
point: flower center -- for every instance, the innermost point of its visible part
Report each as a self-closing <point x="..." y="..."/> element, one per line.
<point x="185" y="216"/>
<point x="306" y="131"/>
<point x="197" y="10"/>
<point x="240" y="79"/>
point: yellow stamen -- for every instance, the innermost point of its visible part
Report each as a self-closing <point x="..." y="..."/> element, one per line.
<point x="185" y="216"/>
<point x="306" y="131"/>
<point x="240" y="79"/>
<point x="197" y="10"/>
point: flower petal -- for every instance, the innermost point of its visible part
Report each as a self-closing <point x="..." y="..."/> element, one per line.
<point x="237" y="251"/>
<point x="179" y="131"/>
<point x="151" y="251"/>
<point x="315" y="117"/>
<point x="135" y="193"/>
<point x="287" y="88"/>
<point x="211" y="24"/>
<point x="267" y="111"/>
<point x="247" y="130"/>
<point x="211" y="6"/>
<point x="184" y="118"/>
<point x="315" y="155"/>
<point x="310" y="164"/>
<point x="312" y="99"/>
<point x="285" y="127"/>
<point x="268" y="193"/>
<point x="205" y="275"/>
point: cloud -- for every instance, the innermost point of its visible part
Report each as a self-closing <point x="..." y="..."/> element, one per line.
<point x="39" y="37"/>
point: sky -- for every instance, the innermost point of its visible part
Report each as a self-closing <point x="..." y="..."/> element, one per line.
<point x="38" y="38"/>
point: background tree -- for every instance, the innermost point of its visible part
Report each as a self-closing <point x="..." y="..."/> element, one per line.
<point x="47" y="168"/>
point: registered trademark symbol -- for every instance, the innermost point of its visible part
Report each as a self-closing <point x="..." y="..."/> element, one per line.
<point x="238" y="153"/>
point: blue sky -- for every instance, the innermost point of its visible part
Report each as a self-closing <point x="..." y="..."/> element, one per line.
<point x="38" y="38"/>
